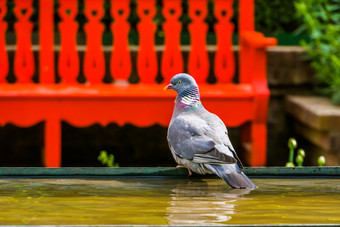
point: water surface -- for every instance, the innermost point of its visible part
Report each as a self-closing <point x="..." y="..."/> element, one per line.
<point x="164" y="201"/>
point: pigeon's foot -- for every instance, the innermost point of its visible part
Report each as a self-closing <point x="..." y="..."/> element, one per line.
<point x="179" y="166"/>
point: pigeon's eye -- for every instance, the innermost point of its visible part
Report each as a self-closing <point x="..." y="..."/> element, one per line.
<point x="179" y="82"/>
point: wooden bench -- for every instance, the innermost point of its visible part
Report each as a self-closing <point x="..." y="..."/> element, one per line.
<point x="25" y="103"/>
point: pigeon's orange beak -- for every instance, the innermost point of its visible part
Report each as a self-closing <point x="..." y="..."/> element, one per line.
<point x="167" y="87"/>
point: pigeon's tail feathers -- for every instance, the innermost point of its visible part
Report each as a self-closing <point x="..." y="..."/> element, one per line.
<point x="235" y="179"/>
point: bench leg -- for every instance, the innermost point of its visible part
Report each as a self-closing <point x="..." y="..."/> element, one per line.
<point x="254" y="141"/>
<point x="52" y="153"/>
<point x="259" y="144"/>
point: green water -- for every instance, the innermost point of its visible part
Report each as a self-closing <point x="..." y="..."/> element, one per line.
<point x="159" y="201"/>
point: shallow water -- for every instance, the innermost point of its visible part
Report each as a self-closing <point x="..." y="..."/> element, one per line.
<point x="160" y="201"/>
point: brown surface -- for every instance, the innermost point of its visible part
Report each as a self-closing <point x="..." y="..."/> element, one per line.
<point x="318" y="121"/>
<point x="327" y="140"/>
<point x="316" y="112"/>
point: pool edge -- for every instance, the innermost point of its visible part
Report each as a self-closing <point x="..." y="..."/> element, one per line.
<point x="311" y="171"/>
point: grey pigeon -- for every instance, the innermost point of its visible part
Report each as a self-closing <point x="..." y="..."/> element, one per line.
<point x="199" y="140"/>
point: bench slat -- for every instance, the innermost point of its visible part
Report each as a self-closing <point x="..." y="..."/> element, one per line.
<point x="94" y="62"/>
<point x="147" y="59"/>
<point x="120" y="63"/>
<point x="23" y="60"/>
<point x="172" y="59"/>
<point x="198" y="65"/>
<point x="139" y="91"/>
<point x="224" y="56"/>
<point x="3" y="52"/>
<point x="85" y="110"/>
<point x="68" y="62"/>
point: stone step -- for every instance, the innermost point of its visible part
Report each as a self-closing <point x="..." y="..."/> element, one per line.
<point x="314" y="111"/>
<point x="318" y="121"/>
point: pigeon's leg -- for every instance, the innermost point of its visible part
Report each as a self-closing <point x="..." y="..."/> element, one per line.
<point x="179" y="166"/>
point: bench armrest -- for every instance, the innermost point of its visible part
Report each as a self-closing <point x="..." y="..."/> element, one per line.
<point x="253" y="56"/>
<point x="253" y="69"/>
<point x="258" y="40"/>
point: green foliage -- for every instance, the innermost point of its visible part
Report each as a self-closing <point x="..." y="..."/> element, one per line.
<point x="107" y="160"/>
<point x="292" y="144"/>
<point x="275" y="16"/>
<point x="300" y="156"/>
<point x="321" y="19"/>
<point x="321" y="161"/>
<point x="290" y="164"/>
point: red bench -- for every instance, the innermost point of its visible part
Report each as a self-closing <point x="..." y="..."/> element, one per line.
<point x="25" y="103"/>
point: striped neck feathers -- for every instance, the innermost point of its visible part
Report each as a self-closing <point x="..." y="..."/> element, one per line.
<point x="189" y="98"/>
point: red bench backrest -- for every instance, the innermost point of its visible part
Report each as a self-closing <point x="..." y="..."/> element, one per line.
<point x="68" y="62"/>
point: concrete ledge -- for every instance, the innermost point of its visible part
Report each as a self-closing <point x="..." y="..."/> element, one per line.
<point x="79" y="172"/>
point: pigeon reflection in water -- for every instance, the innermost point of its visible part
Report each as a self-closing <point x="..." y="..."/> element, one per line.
<point x="200" y="203"/>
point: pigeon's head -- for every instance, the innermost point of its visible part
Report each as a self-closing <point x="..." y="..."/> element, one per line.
<point x="181" y="82"/>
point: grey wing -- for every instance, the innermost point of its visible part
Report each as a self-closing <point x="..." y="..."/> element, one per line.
<point x="220" y="131"/>
<point x="188" y="138"/>
<point x="184" y="138"/>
